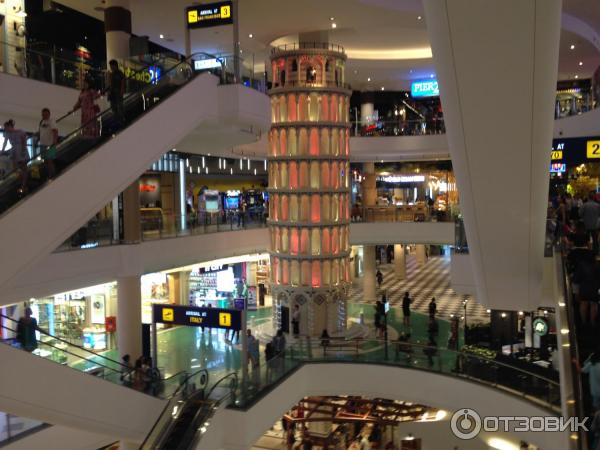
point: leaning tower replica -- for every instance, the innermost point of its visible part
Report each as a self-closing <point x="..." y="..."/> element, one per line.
<point x="309" y="186"/>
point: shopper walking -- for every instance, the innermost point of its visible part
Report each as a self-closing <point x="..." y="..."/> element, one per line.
<point x="26" y="329"/>
<point x="47" y="140"/>
<point x="379" y="277"/>
<point x="116" y="92"/>
<point x="590" y="214"/>
<point x="253" y="349"/>
<point x="89" y="110"/>
<point x="406" y="302"/>
<point x="19" y="154"/>
<point x="432" y="308"/>
<point x="296" y="321"/>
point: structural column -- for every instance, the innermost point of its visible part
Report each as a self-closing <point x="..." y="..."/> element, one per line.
<point x="369" y="270"/>
<point x="367" y="108"/>
<point x="131" y="213"/>
<point x="369" y="185"/>
<point x="421" y="254"/>
<point x="399" y="262"/>
<point x="117" y="25"/>
<point x="513" y="88"/>
<point x="129" y="316"/>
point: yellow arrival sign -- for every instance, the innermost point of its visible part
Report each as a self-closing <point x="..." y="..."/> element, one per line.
<point x="168" y="315"/>
<point x="225" y="319"/>
<point x="593" y="149"/>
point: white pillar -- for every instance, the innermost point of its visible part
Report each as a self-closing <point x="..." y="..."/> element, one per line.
<point x="366" y="113"/>
<point x="513" y="88"/>
<point x="117" y="20"/>
<point x="129" y="316"/>
<point x="421" y="254"/>
<point x="399" y="262"/>
<point x="369" y="291"/>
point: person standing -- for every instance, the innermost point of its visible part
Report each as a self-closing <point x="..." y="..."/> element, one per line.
<point x="432" y="309"/>
<point x="19" y="154"/>
<point x="253" y="350"/>
<point x="590" y="213"/>
<point x="406" y="301"/>
<point x="26" y="328"/>
<point x="87" y="102"/>
<point x="48" y="138"/>
<point x="116" y="92"/>
<point x="379" y="277"/>
<point x="296" y="321"/>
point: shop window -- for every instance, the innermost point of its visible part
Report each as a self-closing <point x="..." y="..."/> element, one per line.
<point x="304" y="182"/>
<point x="285" y="247"/>
<point x="325" y="273"/>
<point x="285" y="272"/>
<point x="282" y="142"/>
<point x="326" y="241"/>
<point x="313" y="107"/>
<point x="325" y="180"/>
<point x="314" y="175"/>
<point x="316" y="274"/>
<point x="304" y="241"/>
<point x="293" y="208"/>
<point x="326" y="208"/>
<point x="303" y="142"/>
<point x="315" y="242"/>
<point x="294" y="241"/>
<point x="314" y="141"/>
<point x="315" y="208"/>
<point x="284" y="208"/>
<point x="292" y="142"/>
<point x="302" y="108"/>
<point x="305" y="208"/>
<point x="324" y="108"/>
<point x="324" y="150"/>
<point x="293" y="176"/>
<point x="335" y="241"/>
<point x="282" y="109"/>
<point x="305" y="273"/>
<point x="295" y="273"/>
<point x="292" y="108"/>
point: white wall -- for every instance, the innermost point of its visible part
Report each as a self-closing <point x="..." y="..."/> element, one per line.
<point x="461" y="274"/>
<point x="233" y="430"/>
<point x="61" y="438"/>
<point x="586" y="124"/>
<point x="376" y="233"/>
<point x="40" y="389"/>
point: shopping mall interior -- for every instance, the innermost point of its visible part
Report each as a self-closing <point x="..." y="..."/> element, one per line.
<point x="278" y="225"/>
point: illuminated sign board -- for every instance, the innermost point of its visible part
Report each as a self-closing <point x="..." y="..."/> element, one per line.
<point x="209" y="15"/>
<point x="403" y="179"/>
<point x="228" y="319"/>
<point x="593" y="149"/>
<point x="426" y="88"/>
<point x="558" y="168"/>
<point x="151" y="75"/>
<point x="211" y="63"/>
<point x="540" y="326"/>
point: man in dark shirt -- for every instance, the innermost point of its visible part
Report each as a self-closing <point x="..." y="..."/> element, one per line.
<point x="116" y="91"/>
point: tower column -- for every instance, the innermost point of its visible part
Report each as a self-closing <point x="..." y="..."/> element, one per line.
<point x="399" y="261"/>
<point x="369" y="270"/>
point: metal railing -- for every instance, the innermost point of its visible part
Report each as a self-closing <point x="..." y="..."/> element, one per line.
<point x="308" y="46"/>
<point x="413" y="127"/>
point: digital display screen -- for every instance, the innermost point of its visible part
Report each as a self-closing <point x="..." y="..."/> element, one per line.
<point x="209" y="15"/>
<point x="232" y="202"/>
<point x="426" y="88"/>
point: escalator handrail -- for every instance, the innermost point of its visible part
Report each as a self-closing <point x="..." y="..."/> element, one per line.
<point x="108" y="111"/>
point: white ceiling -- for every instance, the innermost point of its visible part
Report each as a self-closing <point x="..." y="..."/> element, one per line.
<point x="363" y="26"/>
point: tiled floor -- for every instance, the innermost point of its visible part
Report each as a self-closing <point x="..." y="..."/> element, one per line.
<point x="431" y="280"/>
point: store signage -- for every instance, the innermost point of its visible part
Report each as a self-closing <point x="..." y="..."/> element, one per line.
<point x="556" y="154"/>
<point x="593" y="149"/>
<point x="540" y="326"/>
<point x="426" y="88"/>
<point x="558" y="168"/>
<point x="214" y="268"/>
<point x="229" y="319"/>
<point x="403" y="179"/>
<point x="151" y="75"/>
<point x="209" y="15"/>
<point x="211" y="63"/>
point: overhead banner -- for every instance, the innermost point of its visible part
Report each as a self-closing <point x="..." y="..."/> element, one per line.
<point x="228" y="319"/>
<point x="426" y="88"/>
<point x="575" y="151"/>
<point x="209" y="15"/>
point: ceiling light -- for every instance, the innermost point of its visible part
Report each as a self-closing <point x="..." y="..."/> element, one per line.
<point x="334" y="25"/>
<point x="572" y="47"/>
<point x="432" y="75"/>
<point x="369" y="79"/>
<point x="355" y="71"/>
<point x="332" y="18"/>
<point x="576" y="76"/>
<point x="250" y="35"/>
<point x="581" y="63"/>
<point x="162" y="36"/>
<point x="382" y="88"/>
<point x="419" y="17"/>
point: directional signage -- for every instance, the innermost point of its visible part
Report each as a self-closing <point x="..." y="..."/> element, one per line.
<point x="209" y="15"/>
<point x="426" y="88"/>
<point x="228" y="319"/>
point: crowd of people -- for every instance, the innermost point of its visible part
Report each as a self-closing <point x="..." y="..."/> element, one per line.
<point x="141" y="376"/>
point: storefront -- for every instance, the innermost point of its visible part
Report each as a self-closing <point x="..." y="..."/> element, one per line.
<point x="575" y="166"/>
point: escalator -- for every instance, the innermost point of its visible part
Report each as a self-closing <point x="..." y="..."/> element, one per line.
<point x="93" y="167"/>
<point x="62" y="383"/>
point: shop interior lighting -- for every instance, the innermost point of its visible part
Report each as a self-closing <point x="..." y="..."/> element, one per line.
<point x="255" y="171"/>
<point x="265" y="164"/>
<point x="224" y="163"/>
<point x="231" y="170"/>
<point x="198" y="169"/>
<point x="241" y="167"/>
<point x="206" y="170"/>
<point x="503" y="315"/>
<point x="248" y="163"/>
<point x="564" y="331"/>
<point x="191" y="169"/>
<point x="219" y="163"/>
<point x="382" y="88"/>
<point x="410" y="437"/>
<point x="187" y="162"/>
<point x="203" y="162"/>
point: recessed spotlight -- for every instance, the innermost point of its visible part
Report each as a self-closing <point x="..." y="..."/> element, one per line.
<point x="369" y="79"/>
<point x="334" y="25"/>
<point x="572" y="47"/>
<point x="419" y="17"/>
<point x="382" y="160"/>
<point x="382" y="88"/>
<point x="576" y="76"/>
<point x="250" y="35"/>
<point x="162" y="36"/>
<point x="355" y="71"/>
<point x="581" y="63"/>
<point x="410" y="71"/>
<point x="432" y="75"/>
<point x="332" y="18"/>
